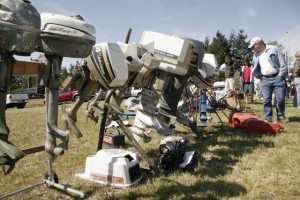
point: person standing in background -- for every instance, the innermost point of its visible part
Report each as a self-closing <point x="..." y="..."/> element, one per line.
<point x="229" y="73"/>
<point x="247" y="81"/>
<point x="296" y="74"/>
<point x="269" y="64"/>
<point x="257" y="87"/>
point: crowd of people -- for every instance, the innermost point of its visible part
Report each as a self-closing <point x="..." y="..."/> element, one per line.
<point x="266" y="77"/>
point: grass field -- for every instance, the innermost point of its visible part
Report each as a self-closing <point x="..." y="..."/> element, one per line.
<point x="233" y="164"/>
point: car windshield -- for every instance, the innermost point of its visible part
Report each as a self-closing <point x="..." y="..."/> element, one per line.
<point x="63" y="90"/>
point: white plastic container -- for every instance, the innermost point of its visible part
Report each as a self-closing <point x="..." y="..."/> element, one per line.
<point x="115" y="167"/>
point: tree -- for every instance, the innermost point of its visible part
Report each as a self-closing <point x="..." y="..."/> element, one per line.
<point x="17" y="83"/>
<point x="64" y="74"/>
<point x="72" y="66"/>
<point x="239" y="46"/>
<point x="219" y="47"/>
<point x="206" y="45"/>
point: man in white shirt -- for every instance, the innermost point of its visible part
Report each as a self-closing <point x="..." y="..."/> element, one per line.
<point x="269" y="65"/>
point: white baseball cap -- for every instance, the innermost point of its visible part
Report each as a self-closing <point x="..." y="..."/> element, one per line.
<point x="254" y="41"/>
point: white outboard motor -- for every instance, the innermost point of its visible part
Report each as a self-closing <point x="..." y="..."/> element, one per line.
<point x="108" y="65"/>
<point x="175" y="52"/>
<point x="169" y="100"/>
<point x="209" y="67"/>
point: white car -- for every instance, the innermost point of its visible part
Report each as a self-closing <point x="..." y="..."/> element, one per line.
<point x="132" y="92"/>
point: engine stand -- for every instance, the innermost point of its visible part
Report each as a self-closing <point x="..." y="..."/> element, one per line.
<point x="51" y="179"/>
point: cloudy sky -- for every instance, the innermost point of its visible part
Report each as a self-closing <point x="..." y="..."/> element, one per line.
<point x="269" y="19"/>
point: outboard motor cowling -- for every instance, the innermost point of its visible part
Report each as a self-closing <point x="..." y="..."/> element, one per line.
<point x="108" y="65"/>
<point x="66" y="36"/>
<point x="19" y="27"/>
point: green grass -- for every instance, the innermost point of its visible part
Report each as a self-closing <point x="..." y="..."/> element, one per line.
<point x="233" y="164"/>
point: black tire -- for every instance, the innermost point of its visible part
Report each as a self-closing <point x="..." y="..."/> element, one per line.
<point x="21" y="105"/>
<point x="75" y="98"/>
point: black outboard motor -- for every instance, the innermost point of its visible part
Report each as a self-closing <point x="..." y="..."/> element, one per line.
<point x="174" y="154"/>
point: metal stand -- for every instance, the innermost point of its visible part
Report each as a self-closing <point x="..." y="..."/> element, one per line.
<point x="215" y="107"/>
<point x="127" y="132"/>
<point x="51" y="178"/>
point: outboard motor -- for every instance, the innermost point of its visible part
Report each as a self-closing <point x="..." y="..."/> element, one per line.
<point x="175" y="154"/>
<point x="62" y="36"/>
<point x="170" y="98"/>
<point x="108" y="65"/>
<point x="19" y="35"/>
<point x="175" y="55"/>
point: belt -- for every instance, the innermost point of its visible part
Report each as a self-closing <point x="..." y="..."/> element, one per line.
<point x="271" y="76"/>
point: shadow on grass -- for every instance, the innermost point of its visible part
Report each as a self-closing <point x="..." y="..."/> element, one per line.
<point x="169" y="189"/>
<point x="294" y="119"/>
<point x="223" y="150"/>
<point x="217" y="157"/>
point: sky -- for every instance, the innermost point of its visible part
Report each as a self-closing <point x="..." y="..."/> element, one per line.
<point x="269" y="19"/>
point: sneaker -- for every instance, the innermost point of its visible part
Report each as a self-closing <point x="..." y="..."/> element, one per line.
<point x="283" y="119"/>
<point x="269" y="120"/>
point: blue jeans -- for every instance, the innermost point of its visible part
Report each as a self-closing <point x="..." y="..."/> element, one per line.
<point x="278" y="86"/>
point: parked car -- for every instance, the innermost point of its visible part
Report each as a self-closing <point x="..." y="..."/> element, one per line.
<point x="67" y="94"/>
<point x="34" y="92"/>
<point x="18" y="100"/>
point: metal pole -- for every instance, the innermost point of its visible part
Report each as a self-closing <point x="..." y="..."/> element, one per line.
<point x="288" y="51"/>
<point x="22" y="190"/>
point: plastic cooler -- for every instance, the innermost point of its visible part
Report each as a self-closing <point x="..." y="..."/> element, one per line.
<point x="114" y="167"/>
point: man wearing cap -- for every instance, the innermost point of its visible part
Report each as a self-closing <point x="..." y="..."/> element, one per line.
<point x="269" y="64"/>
